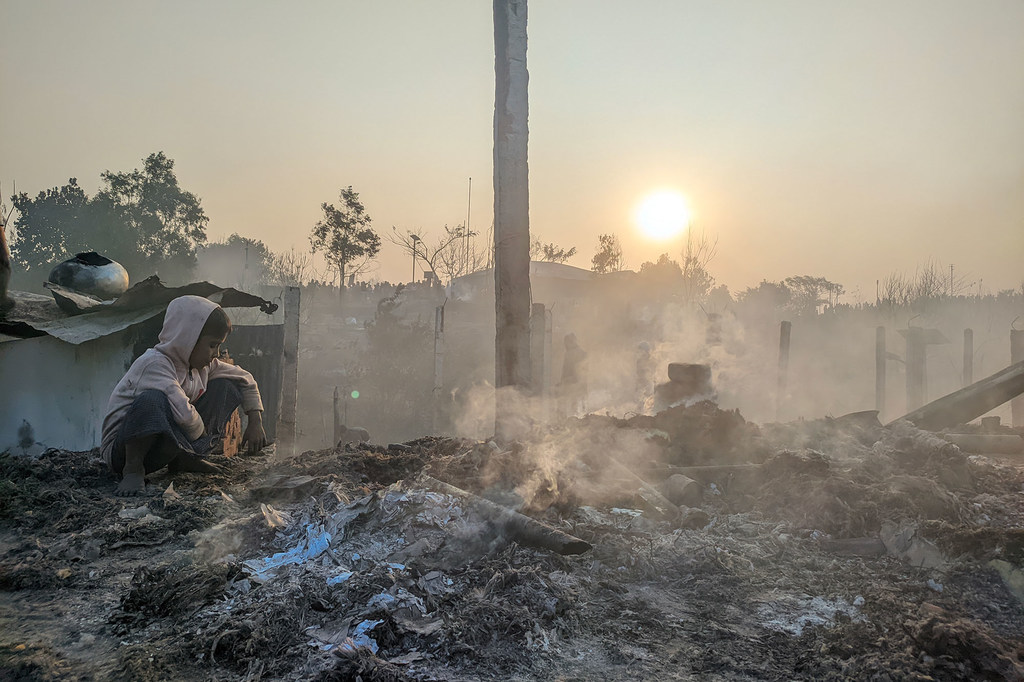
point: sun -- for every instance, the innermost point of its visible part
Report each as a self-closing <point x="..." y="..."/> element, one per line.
<point x="663" y="215"/>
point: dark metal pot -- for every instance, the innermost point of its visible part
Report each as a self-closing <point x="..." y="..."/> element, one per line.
<point x="91" y="273"/>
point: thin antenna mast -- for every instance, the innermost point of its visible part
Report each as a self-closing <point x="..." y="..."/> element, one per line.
<point x="469" y="210"/>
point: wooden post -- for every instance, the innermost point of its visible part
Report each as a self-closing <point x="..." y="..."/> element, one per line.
<point x="548" y="349"/>
<point x="538" y="325"/>
<point x="511" y="211"/>
<point x="339" y="423"/>
<point x="969" y="357"/>
<point x="438" y="366"/>
<point x="539" y="360"/>
<point x="880" y="370"/>
<point x="290" y="377"/>
<point x="784" y="333"/>
<point x="1017" y="355"/>
<point x="916" y="363"/>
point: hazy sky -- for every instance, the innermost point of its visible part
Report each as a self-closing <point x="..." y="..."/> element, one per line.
<point x="841" y="139"/>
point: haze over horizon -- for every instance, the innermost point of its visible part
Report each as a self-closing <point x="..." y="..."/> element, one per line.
<point x="847" y="141"/>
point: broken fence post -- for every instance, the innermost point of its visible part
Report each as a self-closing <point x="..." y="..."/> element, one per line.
<point x="339" y="424"/>
<point x="1017" y="355"/>
<point x="519" y="527"/>
<point x="880" y="369"/>
<point x="916" y="363"/>
<point x="969" y="357"/>
<point x="438" y="366"/>
<point x="290" y="376"/>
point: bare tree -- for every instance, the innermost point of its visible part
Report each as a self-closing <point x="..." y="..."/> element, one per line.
<point x="6" y="303"/>
<point x="289" y="268"/>
<point x="698" y="252"/>
<point x="452" y="254"/>
<point x="895" y="290"/>
<point x="929" y="282"/>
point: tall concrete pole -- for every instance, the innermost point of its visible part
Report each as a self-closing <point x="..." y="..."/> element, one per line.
<point x="511" y="211"/>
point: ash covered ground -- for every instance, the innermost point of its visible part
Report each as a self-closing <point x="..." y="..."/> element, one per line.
<point x="815" y="550"/>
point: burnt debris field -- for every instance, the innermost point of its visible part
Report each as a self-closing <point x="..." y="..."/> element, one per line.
<point x="688" y="544"/>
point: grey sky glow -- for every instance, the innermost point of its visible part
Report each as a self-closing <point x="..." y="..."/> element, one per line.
<point x="840" y="139"/>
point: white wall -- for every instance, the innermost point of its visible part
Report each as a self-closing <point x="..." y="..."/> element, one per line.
<point x="59" y="389"/>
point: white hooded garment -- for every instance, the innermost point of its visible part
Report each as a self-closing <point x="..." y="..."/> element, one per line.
<point x="165" y="368"/>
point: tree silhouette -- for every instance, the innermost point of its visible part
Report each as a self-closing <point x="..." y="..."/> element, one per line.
<point x="609" y="254"/>
<point x="344" y="235"/>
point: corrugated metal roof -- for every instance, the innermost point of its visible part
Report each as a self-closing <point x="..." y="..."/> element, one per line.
<point x="35" y="315"/>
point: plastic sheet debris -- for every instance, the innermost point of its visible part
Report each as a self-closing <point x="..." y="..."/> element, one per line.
<point x="359" y="639"/>
<point x="904" y="542"/>
<point x="316" y="542"/>
<point x="340" y="578"/>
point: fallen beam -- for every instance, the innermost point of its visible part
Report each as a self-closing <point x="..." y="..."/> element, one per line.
<point x="648" y="493"/>
<point x="969" y="402"/>
<point x="987" y="443"/>
<point x="712" y="473"/>
<point x="521" y="528"/>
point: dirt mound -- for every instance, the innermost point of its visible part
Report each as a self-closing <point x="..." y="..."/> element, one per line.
<point x="701" y="433"/>
<point x="345" y="563"/>
<point x="966" y="648"/>
<point x="58" y="491"/>
<point x="34" y="663"/>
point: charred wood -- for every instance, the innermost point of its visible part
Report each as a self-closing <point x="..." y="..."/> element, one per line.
<point x="521" y="528"/>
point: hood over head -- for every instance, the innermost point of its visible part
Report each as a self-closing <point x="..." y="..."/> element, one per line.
<point x="183" y="322"/>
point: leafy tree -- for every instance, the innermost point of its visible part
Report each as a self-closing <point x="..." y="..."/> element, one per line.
<point x="142" y="219"/>
<point x="550" y="252"/>
<point x="609" y="254"/>
<point x="45" y="224"/>
<point x="766" y="295"/>
<point x="807" y="293"/>
<point x="167" y="222"/>
<point x="665" y="274"/>
<point x="344" y="235"/>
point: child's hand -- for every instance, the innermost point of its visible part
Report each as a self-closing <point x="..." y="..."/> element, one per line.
<point x="255" y="438"/>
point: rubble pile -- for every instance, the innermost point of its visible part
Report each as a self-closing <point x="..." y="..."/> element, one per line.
<point x="832" y="549"/>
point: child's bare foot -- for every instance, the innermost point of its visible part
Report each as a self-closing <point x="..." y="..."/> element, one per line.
<point x="131" y="485"/>
<point x="192" y="464"/>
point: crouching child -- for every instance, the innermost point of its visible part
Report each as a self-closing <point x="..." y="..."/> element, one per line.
<point x="171" y="407"/>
